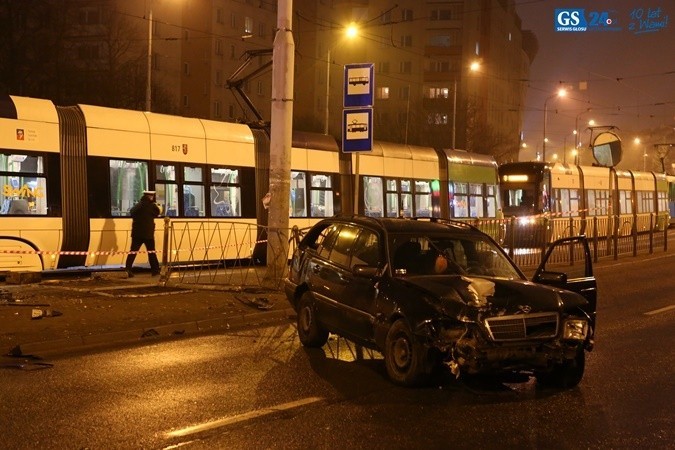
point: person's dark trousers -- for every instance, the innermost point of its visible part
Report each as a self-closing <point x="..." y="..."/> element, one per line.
<point x="152" y="256"/>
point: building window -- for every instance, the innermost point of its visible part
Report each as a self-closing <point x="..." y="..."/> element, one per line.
<point x="248" y="25"/>
<point x="406" y="41"/>
<point x="386" y="17"/>
<point x="405" y="67"/>
<point x="186" y="68"/>
<point x="186" y="101"/>
<point x="407" y="15"/>
<point x="382" y="93"/>
<point x="219" y="47"/>
<point x="233" y="20"/>
<point x="438" y="92"/>
<point x="262" y="30"/>
<point x="261" y="88"/>
<point x="404" y="93"/>
<point x="230" y="111"/>
<point x="219" y="16"/>
<point x="216" y="108"/>
<point x="383" y="67"/>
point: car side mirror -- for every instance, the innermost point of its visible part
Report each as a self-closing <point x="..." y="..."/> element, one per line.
<point x="546" y="277"/>
<point x="362" y="270"/>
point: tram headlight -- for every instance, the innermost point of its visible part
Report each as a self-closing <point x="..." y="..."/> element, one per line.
<point x="575" y="329"/>
<point x="526" y="221"/>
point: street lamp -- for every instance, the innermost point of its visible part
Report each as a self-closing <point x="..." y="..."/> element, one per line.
<point x="561" y="93"/>
<point x="351" y="32"/>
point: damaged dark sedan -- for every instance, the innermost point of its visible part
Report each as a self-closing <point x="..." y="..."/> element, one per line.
<point x="427" y="293"/>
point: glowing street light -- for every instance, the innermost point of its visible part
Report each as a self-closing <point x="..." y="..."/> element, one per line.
<point x="561" y="93"/>
<point x="351" y="32"/>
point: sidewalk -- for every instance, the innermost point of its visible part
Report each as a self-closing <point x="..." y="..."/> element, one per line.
<point x="107" y="309"/>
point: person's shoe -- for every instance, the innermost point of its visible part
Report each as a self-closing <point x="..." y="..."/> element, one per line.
<point x="130" y="274"/>
<point x="154" y="274"/>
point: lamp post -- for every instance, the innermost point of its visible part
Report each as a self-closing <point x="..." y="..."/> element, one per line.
<point x="351" y="32"/>
<point x="148" y="86"/>
<point x="561" y="93"/>
<point x="454" y="111"/>
<point x="327" y="113"/>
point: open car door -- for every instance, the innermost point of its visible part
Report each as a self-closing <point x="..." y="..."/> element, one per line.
<point x="568" y="265"/>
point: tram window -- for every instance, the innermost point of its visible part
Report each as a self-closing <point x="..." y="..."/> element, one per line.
<point x="476" y="200"/>
<point x="392" y="198"/>
<point x="321" y="195"/>
<point x="461" y="200"/>
<point x="491" y="201"/>
<point x="167" y="198"/>
<point x="298" y="205"/>
<point x="372" y="196"/>
<point x="423" y="198"/>
<point x="574" y="202"/>
<point x="193" y="174"/>
<point x="225" y="192"/>
<point x="193" y="200"/>
<point x="128" y="180"/>
<point x="406" y="205"/>
<point x="23" y="192"/>
<point x="165" y="172"/>
<point x="405" y="186"/>
<point x="645" y="201"/>
<point x="663" y="201"/>
<point x="625" y="203"/>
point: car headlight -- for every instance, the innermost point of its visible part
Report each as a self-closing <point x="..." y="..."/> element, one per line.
<point x="575" y="329"/>
<point x="526" y="221"/>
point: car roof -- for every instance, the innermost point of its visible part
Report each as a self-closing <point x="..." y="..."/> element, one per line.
<point x="407" y="225"/>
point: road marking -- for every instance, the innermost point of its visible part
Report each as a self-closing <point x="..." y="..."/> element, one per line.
<point x="660" y="310"/>
<point x="240" y="418"/>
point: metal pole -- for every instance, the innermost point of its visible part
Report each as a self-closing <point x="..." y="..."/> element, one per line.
<point x="543" y="151"/>
<point x="454" y="111"/>
<point x="325" y="129"/>
<point x="148" y="87"/>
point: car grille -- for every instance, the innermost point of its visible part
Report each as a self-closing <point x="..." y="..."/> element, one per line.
<point x="523" y="326"/>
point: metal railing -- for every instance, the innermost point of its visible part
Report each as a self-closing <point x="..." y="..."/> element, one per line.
<point x="234" y="255"/>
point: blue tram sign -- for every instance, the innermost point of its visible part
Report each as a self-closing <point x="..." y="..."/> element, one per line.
<point x="357" y="130"/>
<point x="358" y="85"/>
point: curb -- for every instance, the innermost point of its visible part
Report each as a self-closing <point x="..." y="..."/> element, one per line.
<point x="65" y="346"/>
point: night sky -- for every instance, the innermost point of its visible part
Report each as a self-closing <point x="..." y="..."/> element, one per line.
<point x="626" y="77"/>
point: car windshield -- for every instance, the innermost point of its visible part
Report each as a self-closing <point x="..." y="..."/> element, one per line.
<point x="444" y="254"/>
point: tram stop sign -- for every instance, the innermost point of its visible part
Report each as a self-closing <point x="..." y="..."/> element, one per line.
<point x="607" y="149"/>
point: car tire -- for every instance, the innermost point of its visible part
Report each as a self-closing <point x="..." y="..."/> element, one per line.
<point x="565" y="375"/>
<point x="404" y="357"/>
<point x="310" y="332"/>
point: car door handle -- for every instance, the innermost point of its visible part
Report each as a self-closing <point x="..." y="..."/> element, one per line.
<point x="316" y="268"/>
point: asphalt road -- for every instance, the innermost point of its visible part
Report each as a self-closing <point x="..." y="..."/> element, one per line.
<point x="260" y="389"/>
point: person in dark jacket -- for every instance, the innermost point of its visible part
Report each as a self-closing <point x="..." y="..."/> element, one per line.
<point x="143" y="231"/>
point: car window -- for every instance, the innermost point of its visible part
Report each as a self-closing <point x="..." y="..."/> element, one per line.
<point x="344" y="243"/>
<point x="366" y="250"/>
<point x="326" y="240"/>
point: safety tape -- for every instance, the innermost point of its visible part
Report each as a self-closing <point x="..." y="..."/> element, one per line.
<point x="115" y="252"/>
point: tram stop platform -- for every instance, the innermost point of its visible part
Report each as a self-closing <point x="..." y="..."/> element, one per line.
<point x="55" y="317"/>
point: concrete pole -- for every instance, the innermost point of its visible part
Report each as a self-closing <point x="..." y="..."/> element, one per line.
<point x="283" y="60"/>
<point x="327" y="112"/>
<point x="148" y="86"/>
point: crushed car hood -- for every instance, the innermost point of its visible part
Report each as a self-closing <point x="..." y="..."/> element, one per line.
<point x="453" y="293"/>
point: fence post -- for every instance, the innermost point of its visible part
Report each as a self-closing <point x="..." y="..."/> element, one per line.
<point x="651" y="233"/>
<point x="665" y="235"/>
<point x="571" y="245"/>
<point x="546" y="240"/>
<point x="595" y="239"/>
<point x="164" y="270"/>
<point x="512" y="244"/>
<point x="615" y="237"/>
<point x="635" y="235"/>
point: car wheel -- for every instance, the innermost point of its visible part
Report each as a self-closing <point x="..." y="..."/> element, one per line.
<point x="310" y="332"/>
<point x="566" y="374"/>
<point x="405" y="358"/>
